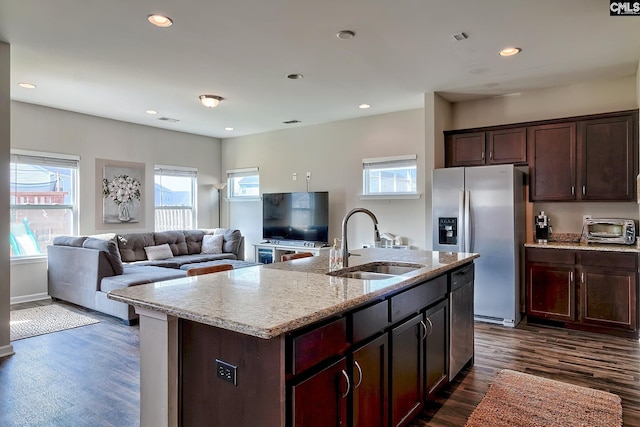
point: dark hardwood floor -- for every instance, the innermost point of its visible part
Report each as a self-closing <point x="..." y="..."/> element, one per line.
<point x="89" y="376"/>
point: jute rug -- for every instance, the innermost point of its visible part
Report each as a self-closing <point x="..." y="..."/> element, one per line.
<point x="46" y="319"/>
<point x="515" y="399"/>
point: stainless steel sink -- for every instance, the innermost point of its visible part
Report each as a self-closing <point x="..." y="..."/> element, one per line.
<point x="376" y="270"/>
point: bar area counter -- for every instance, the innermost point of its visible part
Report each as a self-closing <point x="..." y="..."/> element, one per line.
<point x="243" y="347"/>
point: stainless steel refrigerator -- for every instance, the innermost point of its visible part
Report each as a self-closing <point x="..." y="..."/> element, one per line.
<point x="481" y="209"/>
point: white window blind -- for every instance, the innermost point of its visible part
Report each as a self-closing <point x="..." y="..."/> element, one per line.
<point x="175" y="195"/>
<point x="389" y="175"/>
<point x="243" y="183"/>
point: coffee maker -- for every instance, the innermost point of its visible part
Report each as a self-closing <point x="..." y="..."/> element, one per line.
<point x="543" y="228"/>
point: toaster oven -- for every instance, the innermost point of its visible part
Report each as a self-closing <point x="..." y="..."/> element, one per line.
<point x="610" y="230"/>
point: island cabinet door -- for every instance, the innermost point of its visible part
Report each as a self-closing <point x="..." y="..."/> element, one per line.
<point x="437" y="348"/>
<point x="370" y="369"/>
<point x="321" y="400"/>
<point x="407" y="370"/>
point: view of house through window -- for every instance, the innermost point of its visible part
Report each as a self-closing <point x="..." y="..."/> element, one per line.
<point x="389" y="175"/>
<point x="43" y="201"/>
<point x="243" y="183"/>
<point x="175" y="198"/>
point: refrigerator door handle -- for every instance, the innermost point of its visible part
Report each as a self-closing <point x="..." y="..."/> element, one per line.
<point x="462" y="219"/>
<point x="467" y="222"/>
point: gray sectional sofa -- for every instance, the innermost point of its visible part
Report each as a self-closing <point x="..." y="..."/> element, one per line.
<point x="83" y="269"/>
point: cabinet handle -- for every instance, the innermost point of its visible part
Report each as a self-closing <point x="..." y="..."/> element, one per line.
<point x="570" y="276"/>
<point x="355" y="362"/>
<point x="584" y="190"/>
<point x="346" y="377"/>
<point x="573" y="190"/>
<point x="424" y="326"/>
<point x="491" y="155"/>
<point x="582" y="277"/>
<point x="430" y="327"/>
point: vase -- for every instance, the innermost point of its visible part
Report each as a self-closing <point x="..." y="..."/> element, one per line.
<point x="123" y="212"/>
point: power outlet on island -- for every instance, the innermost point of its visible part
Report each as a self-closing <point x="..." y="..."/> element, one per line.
<point x="227" y="371"/>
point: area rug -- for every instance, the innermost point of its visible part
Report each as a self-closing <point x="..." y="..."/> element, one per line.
<point x="46" y="319"/>
<point x="515" y="399"/>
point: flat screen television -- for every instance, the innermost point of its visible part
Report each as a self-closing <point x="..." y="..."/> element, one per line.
<point x="296" y="216"/>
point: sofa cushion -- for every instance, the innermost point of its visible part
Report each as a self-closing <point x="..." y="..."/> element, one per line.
<point x="212" y="243"/>
<point x="193" y="238"/>
<point x="75" y="241"/>
<point x="158" y="252"/>
<point x="132" y="246"/>
<point x="178" y="261"/>
<point x="139" y="275"/>
<point x="109" y="247"/>
<point x="175" y="240"/>
<point x="231" y="239"/>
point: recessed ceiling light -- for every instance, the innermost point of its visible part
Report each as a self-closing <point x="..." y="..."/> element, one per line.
<point x="510" y="51"/>
<point x="160" y="20"/>
<point x="346" y="34"/>
<point x="228" y="128"/>
<point x="364" y="106"/>
<point x="152" y="112"/>
<point x="295" y="76"/>
<point x="27" y="85"/>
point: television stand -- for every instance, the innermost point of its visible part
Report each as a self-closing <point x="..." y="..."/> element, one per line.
<point x="266" y="253"/>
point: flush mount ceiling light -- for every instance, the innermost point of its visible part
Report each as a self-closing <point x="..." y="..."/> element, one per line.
<point x="510" y="51"/>
<point x="210" y="101"/>
<point x="27" y="85"/>
<point x="160" y="20"/>
<point x="346" y="34"/>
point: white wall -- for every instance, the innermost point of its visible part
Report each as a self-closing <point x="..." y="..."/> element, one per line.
<point x="46" y="129"/>
<point x="333" y="153"/>
<point x="5" y="346"/>
<point x="590" y="97"/>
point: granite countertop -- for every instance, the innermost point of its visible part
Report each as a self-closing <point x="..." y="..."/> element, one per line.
<point x="268" y="300"/>
<point x="586" y="246"/>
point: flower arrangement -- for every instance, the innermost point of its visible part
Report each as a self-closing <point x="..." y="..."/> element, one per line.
<point x="121" y="189"/>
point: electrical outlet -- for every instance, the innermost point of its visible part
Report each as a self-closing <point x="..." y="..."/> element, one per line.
<point x="308" y="176"/>
<point x="295" y="176"/>
<point x="227" y="372"/>
<point x="585" y="217"/>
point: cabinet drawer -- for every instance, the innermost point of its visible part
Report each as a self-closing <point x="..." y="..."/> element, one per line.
<point x="552" y="256"/>
<point x="415" y="299"/>
<point x="318" y="344"/>
<point x="616" y="260"/>
<point x="370" y="320"/>
<point x="461" y="277"/>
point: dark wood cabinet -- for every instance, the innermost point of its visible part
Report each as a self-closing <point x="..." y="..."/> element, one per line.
<point x="607" y="158"/>
<point x="321" y="400"/>
<point x="437" y="348"/>
<point x="592" y="290"/>
<point x="370" y="369"/>
<point x="552" y="162"/>
<point x="407" y="370"/>
<point x="465" y="149"/>
<point x="507" y="146"/>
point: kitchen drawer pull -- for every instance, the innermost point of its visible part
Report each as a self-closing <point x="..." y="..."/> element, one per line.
<point x="424" y="326"/>
<point x="346" y="377"/>
<point x="355" y="362"/>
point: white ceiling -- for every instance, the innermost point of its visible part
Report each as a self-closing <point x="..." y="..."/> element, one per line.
<point x="102" y="57"/>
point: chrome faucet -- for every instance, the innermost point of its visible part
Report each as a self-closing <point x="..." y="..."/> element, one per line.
<point x="345" y="246"/>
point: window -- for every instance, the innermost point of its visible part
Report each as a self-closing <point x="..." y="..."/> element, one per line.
<point x="175" y="198"/>
<point x="43" y="200"/>
<point x="243" y="184"/>
<point x="389" y="175"/>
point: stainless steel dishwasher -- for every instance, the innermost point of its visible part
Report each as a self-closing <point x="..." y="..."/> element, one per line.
<point x="461" y="346"/>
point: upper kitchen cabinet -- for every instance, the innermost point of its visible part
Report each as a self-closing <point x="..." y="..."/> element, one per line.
<point x="465" y="149"/>
<point x="591" y="158"/>
<point x="490" y="147"/>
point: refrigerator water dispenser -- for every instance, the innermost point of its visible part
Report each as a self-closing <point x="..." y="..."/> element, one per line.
<point x="448" y="231"/>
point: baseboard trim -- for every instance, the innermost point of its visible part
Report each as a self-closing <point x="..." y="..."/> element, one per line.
<point x="6" y="350"/>
<point x="29" y="298"/>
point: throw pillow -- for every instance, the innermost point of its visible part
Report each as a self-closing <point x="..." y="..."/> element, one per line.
<point x="212" y="243"/>
<point x="155" y="253"/>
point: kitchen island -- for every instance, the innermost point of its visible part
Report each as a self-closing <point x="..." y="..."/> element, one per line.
<point x="287" y="344"/>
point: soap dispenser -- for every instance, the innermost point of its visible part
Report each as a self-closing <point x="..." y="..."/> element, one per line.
<point x="335" y="256"/>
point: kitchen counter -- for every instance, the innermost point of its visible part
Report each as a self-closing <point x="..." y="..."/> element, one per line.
<point x="269" y="300"/>
<point x="586" y="246"/>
